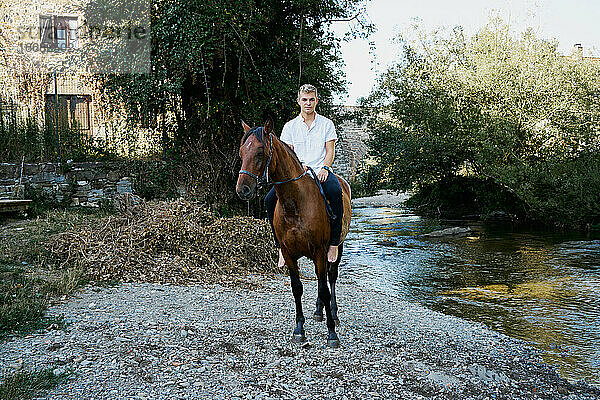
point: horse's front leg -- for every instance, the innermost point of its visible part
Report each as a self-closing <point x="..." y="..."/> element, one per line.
<point x="325" y="296"/>
<point x="297" y="290"/>
<point x="318" y="315"/>
<point x="333" y="274"/>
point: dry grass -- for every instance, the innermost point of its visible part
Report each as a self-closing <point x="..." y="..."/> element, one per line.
<point x="29" y="281"/>
<point x="175" y="242"/>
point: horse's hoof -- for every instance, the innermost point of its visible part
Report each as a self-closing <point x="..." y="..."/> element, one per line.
<point x="298" y="338"/>
<point x="318" y="317"/>
<point x="333" y="343"/>
<point x="337" y="322"/>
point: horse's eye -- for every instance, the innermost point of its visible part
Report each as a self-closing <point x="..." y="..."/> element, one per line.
<point x="260" y="155"/>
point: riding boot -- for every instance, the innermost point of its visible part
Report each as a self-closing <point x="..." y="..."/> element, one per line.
<point x="270" y="203"/>
<point x="333" y="192"/>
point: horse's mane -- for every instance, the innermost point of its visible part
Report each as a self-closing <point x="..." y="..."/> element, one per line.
<point x="259" y="133"/>
<point x="291" y="152"/>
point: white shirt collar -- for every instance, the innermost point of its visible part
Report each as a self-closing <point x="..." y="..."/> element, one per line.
<point x="301" y="119"/>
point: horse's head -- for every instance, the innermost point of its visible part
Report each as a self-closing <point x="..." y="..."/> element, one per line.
<point x="255" y="151"/>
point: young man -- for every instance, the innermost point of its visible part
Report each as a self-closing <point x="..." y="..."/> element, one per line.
<point x="313" y="137"/>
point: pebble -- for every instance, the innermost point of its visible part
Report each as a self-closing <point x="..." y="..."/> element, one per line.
<point x="241" y="348"/>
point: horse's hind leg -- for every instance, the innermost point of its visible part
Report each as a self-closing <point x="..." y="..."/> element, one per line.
<point x="333" y="274"/>
<point x="298" y="335"/>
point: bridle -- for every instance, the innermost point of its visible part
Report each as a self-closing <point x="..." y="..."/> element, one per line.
<point x="263" y="180"/>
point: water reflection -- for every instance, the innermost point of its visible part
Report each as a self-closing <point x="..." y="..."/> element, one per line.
<point x="539" y="287"/>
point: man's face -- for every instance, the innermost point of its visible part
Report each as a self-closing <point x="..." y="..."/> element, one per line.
<point x="307" y="102"/>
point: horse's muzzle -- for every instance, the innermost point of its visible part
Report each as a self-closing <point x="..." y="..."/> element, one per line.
<point x="245" y="192"/>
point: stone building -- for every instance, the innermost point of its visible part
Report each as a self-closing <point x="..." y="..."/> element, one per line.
<point x="45" y="69"/>
<point x="577" y="54"/>
<point x="39" y="38"/>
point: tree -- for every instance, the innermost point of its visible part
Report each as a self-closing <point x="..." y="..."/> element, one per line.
<point x="216" y="62"/>
<point x="493" y="107"/>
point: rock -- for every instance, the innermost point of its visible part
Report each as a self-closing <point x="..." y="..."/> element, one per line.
<point x="498" y="216"/>
<point x="563" y="390"/>
<point x="388" y="243"/>
<point x="456" y="231"/>
<point x="17" y="365"/>
<point x="55" y="346"/>
<point x="383" y="198"/>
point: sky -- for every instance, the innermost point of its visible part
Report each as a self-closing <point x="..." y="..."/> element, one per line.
<point x="567" y="21"/>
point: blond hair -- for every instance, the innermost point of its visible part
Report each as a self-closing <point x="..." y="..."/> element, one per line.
<point x="307" y="88"/>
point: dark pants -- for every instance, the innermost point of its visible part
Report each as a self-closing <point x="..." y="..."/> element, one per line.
<point x="333" y="193"/>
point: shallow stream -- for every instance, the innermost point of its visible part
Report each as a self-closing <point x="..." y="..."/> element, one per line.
<point x="540" y="287"/>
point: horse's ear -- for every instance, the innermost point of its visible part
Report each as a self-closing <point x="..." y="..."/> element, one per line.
<point x="245" y="126"/>
<point x="269" y="126"/>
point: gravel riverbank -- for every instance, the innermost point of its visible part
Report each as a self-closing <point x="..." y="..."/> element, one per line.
<point x="151" y="341"/>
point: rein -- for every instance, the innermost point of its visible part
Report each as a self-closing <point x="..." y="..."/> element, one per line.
<point x="264" y="179"/>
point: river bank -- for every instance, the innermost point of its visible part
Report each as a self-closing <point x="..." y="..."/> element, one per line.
<point x="152" y="341"/>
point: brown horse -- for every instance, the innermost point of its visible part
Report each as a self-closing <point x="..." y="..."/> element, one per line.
<point x="301" y="222"/>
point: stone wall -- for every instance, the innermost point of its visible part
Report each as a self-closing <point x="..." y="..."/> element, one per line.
<point x="86" y="184"/>
<point x="351" y="148"/>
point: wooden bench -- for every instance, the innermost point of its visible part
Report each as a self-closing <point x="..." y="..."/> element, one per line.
<point x="14" y="205"/>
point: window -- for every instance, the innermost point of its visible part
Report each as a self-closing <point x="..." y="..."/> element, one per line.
<point x="73" y="111"/>
<point x="58" y="32"/>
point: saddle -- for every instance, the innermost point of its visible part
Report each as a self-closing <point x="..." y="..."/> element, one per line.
<point x="330" y="213"/>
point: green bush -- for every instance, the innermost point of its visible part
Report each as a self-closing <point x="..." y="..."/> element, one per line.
<point x="509" y="111"/>
<point x="459" y="197"/>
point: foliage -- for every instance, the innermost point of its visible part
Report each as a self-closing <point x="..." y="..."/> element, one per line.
<point x="26" y="139"/>
<point x="494" y="107"/>
<point x="366" y="182"/>
<point x="154" y="179"/>
<point x="214" y="63"/>
<point x="460" y="197"/>
<point x="27" y="384"/>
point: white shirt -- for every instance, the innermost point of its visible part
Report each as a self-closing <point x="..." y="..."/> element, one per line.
<point x="309" y="143"/>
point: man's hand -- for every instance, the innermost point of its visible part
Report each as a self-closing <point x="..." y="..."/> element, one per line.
<point x="322" y="175"/>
